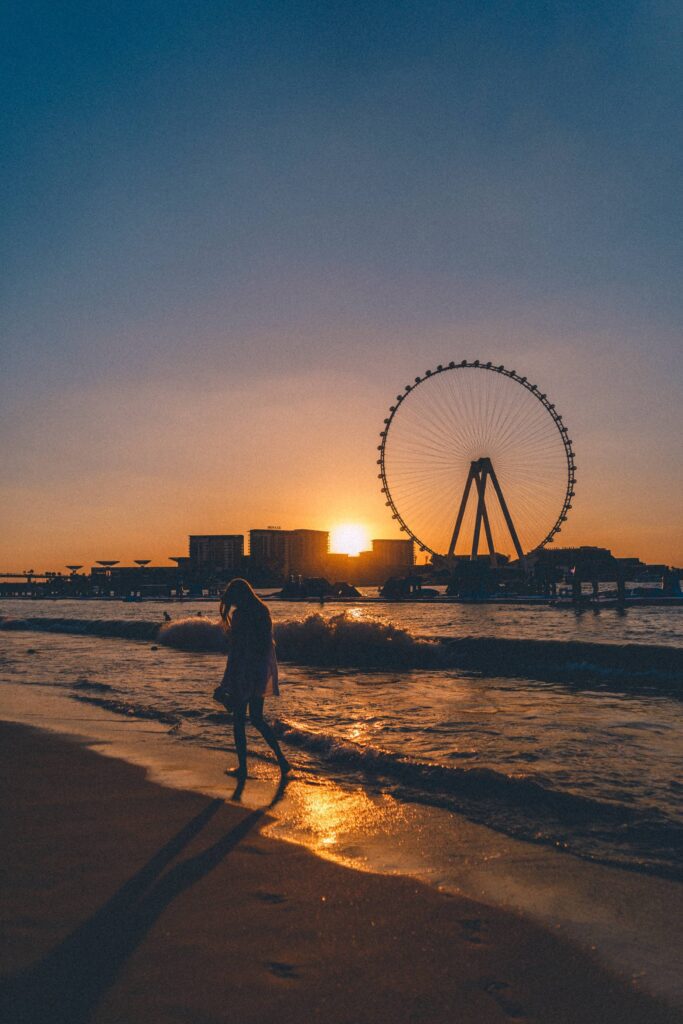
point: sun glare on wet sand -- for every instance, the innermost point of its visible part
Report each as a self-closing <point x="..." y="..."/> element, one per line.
<point x="349" y="539"/>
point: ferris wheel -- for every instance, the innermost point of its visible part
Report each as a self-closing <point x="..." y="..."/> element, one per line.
<point x="472" y="452"/>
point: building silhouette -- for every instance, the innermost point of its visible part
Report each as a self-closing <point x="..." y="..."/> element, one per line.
<point x="393" y="554"/>
<point x="270" y="549"/>
<point x="219" y="552"/>
<point x="309" y="551"/>
<point x="386" y="558"/>
<point x="299" y="552"/>
<point x="118" y="580"/>
<point x="301" y="556"/>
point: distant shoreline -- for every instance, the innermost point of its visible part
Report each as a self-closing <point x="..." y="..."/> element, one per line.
<point x="545" y="602"/>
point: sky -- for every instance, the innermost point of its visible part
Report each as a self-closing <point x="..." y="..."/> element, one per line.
<point x="231" y="233"/>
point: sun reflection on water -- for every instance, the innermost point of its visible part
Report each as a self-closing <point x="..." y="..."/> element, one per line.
<point x="330" y="819"/>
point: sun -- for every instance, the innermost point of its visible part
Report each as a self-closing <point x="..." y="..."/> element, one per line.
<point x="349" y="539"/>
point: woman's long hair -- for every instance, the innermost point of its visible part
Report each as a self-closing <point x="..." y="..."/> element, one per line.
<point x="240" y="593"/>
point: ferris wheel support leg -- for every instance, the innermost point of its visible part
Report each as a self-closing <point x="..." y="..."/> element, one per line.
<point x="461" y="511"/>
<point x="506" y="513"/>
<point x="489" y="538"/>
<point x="481" y="477"/>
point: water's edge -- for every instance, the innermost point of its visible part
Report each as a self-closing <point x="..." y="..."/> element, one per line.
<point x="631" y="922"/>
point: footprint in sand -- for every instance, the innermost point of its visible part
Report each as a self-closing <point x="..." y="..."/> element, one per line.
<point x="497" y="990"/>
<point x="282" y="970"/>
<point x="270" y="897"/>
<point x="472" y="929"/>
<point x="248" y="848"/>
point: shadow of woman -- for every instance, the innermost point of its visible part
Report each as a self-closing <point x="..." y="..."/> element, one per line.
<point x="66" y="986"/>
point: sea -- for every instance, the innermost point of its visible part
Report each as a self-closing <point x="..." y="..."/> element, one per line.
<point x="558" y="727"/>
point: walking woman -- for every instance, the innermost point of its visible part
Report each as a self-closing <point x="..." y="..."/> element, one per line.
<point x="251" y="671"/>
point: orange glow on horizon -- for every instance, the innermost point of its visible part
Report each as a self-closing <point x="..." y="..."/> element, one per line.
<point x="349" y="539"/>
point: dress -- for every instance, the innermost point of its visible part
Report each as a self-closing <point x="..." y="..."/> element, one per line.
<point x="252" y="670"/>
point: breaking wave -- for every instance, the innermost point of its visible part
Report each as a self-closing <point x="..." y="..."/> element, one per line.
<point x="127" y="629"/>
<point x="342" y="640"/>
<point x="193" y="634"/>
<point x="472" y="782"/>
<point x="346" y="642"/>
<point x="337" y="641"/>
<point x="530" y="809"/>
<point x="638" y="667"/>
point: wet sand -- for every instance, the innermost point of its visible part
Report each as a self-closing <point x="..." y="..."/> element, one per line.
<point x="123" y="900"/>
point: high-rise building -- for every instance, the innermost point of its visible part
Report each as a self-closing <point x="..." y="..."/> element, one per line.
<point x="302" y="552"/>
<point x="218" y="551"/>
<point x="393" y="554"/>
<point x="270" y="548"/>
<point x="309" y="550"/>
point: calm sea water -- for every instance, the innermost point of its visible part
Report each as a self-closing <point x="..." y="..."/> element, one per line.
<point x="587" y="759"/>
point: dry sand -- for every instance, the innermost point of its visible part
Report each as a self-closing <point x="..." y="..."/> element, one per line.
<point x="124" y="901"/>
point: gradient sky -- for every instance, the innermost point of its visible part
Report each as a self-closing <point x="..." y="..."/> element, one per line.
<point x="232" y="231"/>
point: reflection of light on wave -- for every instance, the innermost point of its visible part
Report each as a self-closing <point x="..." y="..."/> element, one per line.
<point x="328" y="816"/>
<point x="359" y="732"/>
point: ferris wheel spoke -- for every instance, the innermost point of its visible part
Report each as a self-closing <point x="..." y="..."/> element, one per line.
<point x="463" y="420"/>
<point x="515" y="429"/>
<point x="443" y="429"/>
<point x="504" y="412"/>
<point x="425" y="434"/>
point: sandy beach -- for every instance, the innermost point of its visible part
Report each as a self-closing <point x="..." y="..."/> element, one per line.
<point x="128" y="901"/>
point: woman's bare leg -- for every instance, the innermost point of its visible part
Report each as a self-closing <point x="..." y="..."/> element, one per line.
<point x="259" y="722"/>
<point x="239" y="716"/>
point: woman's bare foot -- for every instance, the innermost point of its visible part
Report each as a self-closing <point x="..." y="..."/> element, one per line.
<point x="239" y="773"/>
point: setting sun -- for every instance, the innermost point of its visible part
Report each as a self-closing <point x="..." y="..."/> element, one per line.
<point x="349" y="539"/>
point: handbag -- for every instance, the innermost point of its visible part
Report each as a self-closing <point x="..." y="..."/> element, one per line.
<point x="222" y="696"/>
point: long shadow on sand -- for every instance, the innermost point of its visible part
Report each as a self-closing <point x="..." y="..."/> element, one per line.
<point x="66" y="986"/>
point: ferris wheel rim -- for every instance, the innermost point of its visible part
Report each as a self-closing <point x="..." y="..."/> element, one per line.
<point x="532" y="389"/>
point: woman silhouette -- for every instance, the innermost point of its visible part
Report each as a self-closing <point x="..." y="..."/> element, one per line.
<point x="251" y="671"/>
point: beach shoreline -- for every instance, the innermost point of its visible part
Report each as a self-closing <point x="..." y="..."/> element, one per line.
<point x="629" y="921"/>
<point x="111" y="918"/>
